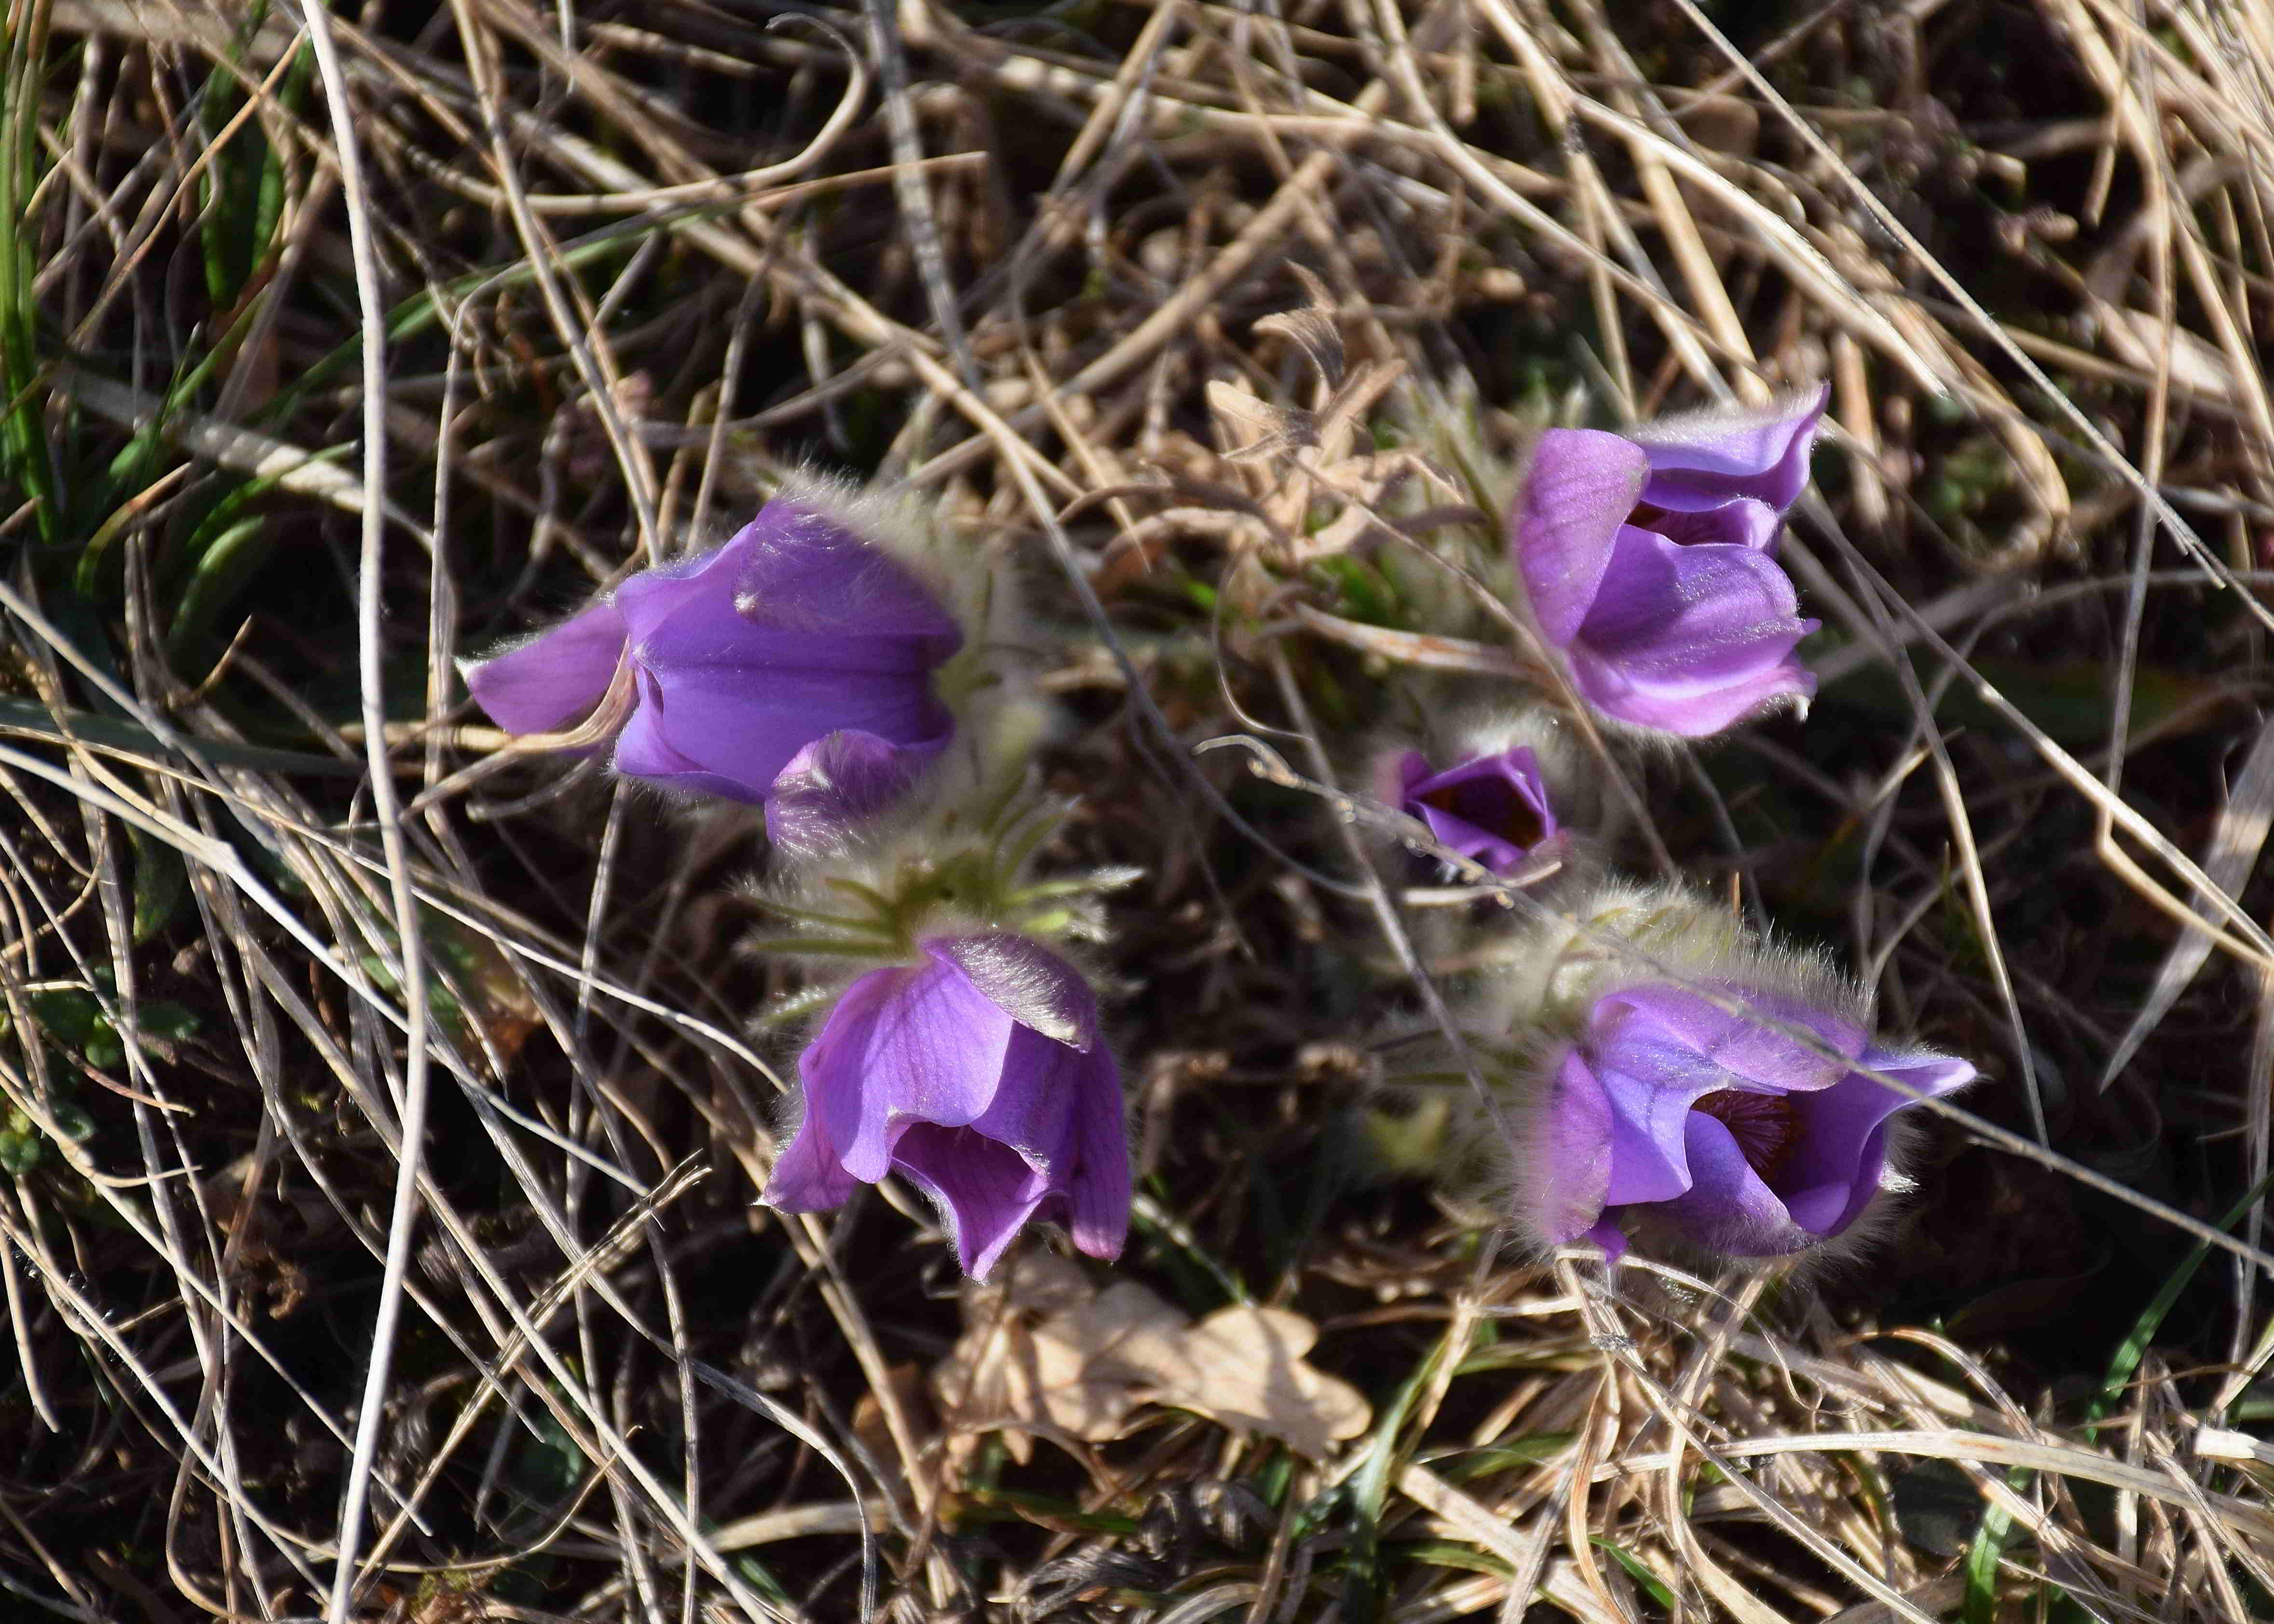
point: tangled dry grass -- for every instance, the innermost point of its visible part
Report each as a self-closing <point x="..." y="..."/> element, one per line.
<point x="385" y="1110"/>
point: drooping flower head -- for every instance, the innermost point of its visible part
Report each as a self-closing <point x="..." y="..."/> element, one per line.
<point x="980" y="1075"/>
<point x="1675" y="1114"/>
<point x="1649" y="562"/>
<point x="1492" y="809"/>
<point x="727" y="667"/>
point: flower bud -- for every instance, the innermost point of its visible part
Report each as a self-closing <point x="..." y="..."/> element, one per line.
<point x="834" y="789"/>
<point x="1492" y="809"/>
<point x="1495" y="790"/>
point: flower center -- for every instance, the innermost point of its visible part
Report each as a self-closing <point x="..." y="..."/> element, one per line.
<point x="1492" y="805"/>
<point x="1645" y="517"/>
<point x="1765" y="1126"/>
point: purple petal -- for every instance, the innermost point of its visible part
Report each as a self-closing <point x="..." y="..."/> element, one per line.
<point x="731" y="730"/>
<point x="544" y="683"/>
<point x="986" y="1192"/>
<point x="1097" y="1190"/>
<point x="656" y="592"/>
<point x="902" y="1046"/>
<point x="1478" y="845"/>
<point x="1027" y="981"/>
<point x="1647" y="1114"/>
<point x="1610" y="1237"/>
<point x="697" y="620"/>
<point x="654" y="599"/>
<point x="800" y="571"/>
<point x="1704" y="459"/>
<point x="1689" y="640"/>
<point x="1661" y="601"/>
<point x="1014" y="1157"/>
<point x="1033" y="1108"/>
<point x="801" y="583"/>
<point x="1570" y="1160"/>
<point x="1581" y="486"/>
<point x="816" y="804"/>
<point x="644" y="751"/>
<point x="840" y="1093"/>
<point x="1843" y="1149"/>
<point x="1726" y="1207"/>
<point x="809" y="1176"/>
<point x="1741" y="523"/>
<point x="1492" y="809"/>
<point x="1740" y="1046"/>
<point x="1932" y="1075"/>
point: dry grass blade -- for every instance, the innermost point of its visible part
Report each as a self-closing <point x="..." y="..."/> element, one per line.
<point x="2236" y="842"/>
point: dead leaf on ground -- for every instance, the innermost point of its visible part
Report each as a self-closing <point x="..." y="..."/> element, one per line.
<point x="1048" y="1351"/>
<point x="875" y="1432"/>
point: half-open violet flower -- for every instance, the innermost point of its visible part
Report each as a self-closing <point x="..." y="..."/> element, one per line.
<point x="981" y="1075"/>
<point x="1676" y="1116"/>
<point x="1649" y="562"/>
<point x="1492" y="809"/>
<point x="715" y="673"/>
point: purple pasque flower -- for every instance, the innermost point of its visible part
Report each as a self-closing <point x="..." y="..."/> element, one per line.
<point x="1715" y="1127"/>
<point x="1648" y="559"/>
<point x="726" y="666"/>
<point x="981" y="1075"/>
<point x="1492" y="809"/>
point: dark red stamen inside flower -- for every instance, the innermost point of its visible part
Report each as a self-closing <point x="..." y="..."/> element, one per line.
<point x="1646" y="516"/>
<point x="1764" y="1125"/>
<point x="1492" y="805"/>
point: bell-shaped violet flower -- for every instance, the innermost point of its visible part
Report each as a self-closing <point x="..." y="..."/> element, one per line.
<point x="1648" y="559"/>
<point x="981" y="1075"/>
<point x="726" y="666"/>
<point x="1492" y="809"/>
<point x="1715" y="1126"/>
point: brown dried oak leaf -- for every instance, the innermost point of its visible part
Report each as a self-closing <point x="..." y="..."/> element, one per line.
<point x="1046" y="1352"/>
